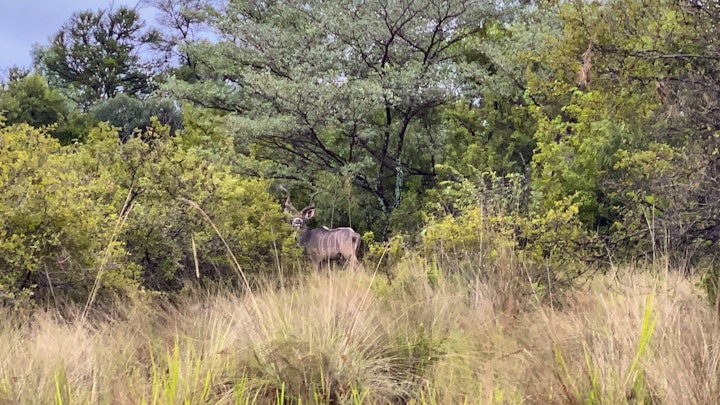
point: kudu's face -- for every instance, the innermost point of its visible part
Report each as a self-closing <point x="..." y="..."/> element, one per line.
<point x="300" y="221"/>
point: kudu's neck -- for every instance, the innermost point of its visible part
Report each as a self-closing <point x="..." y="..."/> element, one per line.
<point x="304" y="236"/>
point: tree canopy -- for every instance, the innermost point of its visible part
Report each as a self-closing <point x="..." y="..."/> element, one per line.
<point x="348" y="89"/>
<point x="96" y="55"/>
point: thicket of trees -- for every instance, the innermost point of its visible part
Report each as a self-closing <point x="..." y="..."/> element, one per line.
<point x="580" y="134"/>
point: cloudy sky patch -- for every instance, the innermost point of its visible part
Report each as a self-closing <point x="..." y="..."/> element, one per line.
<point x="27" y="22"/>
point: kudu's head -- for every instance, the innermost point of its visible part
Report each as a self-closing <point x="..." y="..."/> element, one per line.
<point x="300" y="218"/>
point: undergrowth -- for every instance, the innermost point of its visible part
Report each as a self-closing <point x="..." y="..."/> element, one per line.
<point x="347" y="338"/>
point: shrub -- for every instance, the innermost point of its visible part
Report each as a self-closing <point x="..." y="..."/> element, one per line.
<point x="481" y="225"/>
<point x="57" y="223"/>
<point x="189" y="217"/>
<point x="141" y="212"/>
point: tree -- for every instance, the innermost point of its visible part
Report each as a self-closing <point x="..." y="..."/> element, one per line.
<point x="96" y="55"/>
<point x="129" y="114"/>
<point x="489" y="133"/>
<point x="181" y="22"/>
<point x="11" y="74"/>
<point x="29" y="99"/>
<point x="347" y="89"/>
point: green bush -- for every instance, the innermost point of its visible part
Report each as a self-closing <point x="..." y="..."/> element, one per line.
<point x="482" y="245"/>
<point x="144" y="212"/>
<point x="57" y="222"/>
<point x="189" y="216"/>
<point x="468" y="242"/>
<point x="382" y="255"/>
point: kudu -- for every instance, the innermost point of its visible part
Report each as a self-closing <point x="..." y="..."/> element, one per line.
<point x="324" y="244"/>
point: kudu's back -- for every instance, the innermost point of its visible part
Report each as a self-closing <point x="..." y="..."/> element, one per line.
<point x="323" y="244"/>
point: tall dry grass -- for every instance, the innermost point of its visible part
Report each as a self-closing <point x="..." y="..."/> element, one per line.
<point x="353" y="338"/>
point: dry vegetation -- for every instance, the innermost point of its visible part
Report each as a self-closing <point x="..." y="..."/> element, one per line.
<point x="354" y="338"/>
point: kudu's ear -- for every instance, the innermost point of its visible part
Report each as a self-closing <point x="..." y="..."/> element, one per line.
<point x="308" y="212"/>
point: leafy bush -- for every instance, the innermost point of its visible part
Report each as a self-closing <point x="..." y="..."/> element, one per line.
<point x="488" y="227"/>
<point x="189" y="216"/>
<point x="382" y="255"/>
<point x="141" y="212"/>
<point x="57" y="222"/>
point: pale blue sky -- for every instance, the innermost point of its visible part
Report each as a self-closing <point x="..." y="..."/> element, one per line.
<point x="26" y="22"/>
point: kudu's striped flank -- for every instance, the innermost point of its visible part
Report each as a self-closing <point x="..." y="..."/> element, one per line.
<point x="324" y="244"/>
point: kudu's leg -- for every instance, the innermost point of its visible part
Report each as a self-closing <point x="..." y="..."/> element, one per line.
<point x="324" y="267"/>
<point x="353" y="263"/>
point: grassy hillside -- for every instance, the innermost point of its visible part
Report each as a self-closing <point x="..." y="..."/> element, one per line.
<point x="629" y="337"/>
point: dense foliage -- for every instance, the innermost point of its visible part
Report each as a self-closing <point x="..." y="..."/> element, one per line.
<point x="356" y="95"/>
<point x="117" y="216"/>
<point x="571" y="133"/>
